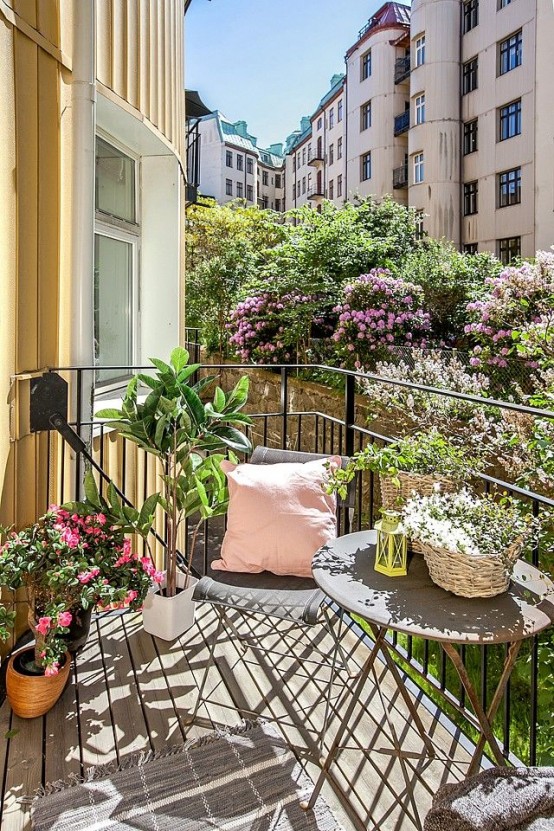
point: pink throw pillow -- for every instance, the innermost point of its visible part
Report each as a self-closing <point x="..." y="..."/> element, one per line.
<point x="279" y="515"/>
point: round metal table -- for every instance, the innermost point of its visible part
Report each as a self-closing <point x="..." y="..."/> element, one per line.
<point x="414" y="605"/>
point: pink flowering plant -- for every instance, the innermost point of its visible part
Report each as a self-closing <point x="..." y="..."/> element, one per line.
<point x="379" y="311"/>
<point x="272" y="326"/>
<point x="65" y="561"/>
<point x="515" y="316"/>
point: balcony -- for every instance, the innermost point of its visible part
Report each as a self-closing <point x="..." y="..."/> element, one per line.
<point x="400" y="177"/>
<point x="401" y="123"/>
<point x="402" y="69"/>
<point x="316" y="192"/>
<point x="129" y="693"/>
<point x="316" y="160"/>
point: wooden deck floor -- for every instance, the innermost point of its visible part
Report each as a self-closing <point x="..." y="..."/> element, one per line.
<point x="130" y="692"/>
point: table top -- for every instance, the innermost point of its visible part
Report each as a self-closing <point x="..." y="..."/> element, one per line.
<point x="414" y="605"/>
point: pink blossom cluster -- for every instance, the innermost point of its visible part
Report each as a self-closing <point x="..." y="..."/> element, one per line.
<point x="262" y="326"/>
<point x="516" y="300"/>
<point x="379" y="311"/>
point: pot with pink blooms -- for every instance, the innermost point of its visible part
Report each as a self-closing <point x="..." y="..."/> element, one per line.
<point x="72" y="560"/>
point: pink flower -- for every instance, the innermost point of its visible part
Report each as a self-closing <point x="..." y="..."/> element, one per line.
<point x="43" y="625"/>
<point x="101" y="519"/>
<point x="71" y="537"/>
<point x="131" y="595"/>
<point x="52" y="669"/>
<point x="158" y="576"/>
<point x="65" y="618"/>
<point x="86" y="576"/>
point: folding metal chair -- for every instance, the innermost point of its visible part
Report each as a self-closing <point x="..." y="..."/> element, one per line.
<point x="262" y="596"/>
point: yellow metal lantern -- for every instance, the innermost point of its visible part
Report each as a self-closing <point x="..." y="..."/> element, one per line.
<point x="391" y="557"/>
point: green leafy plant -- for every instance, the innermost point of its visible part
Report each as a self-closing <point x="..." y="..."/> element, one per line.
<point x="187" y="434"/>
<point x="424" y="452"/>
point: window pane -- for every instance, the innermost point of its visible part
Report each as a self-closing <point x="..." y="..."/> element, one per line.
<point x="115" y="182"/>
<point x="113" y="296"/>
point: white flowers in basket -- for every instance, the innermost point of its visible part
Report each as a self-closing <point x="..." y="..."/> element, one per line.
<point x="470" y="543"/>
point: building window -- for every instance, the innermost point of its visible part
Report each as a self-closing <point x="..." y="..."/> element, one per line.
<point x="331" y="189"/>
<point x="508" y="249"/>
<point x="339" y="148"/>
<point x="277" y="204"/>
<point x="331" y="118"/>
<point x="469" y="76"/>
<point x="319" y="123"/>
<point x="366" y="65"/>
<point x="510" y="52"/>
<point x="228" y="158"/>
<point x="419" y="168"/>
<point x="339" y="110"/>
<point x="365" y="116"/>
<point x="240" y="162"/>
<point x="303" y="155"/>
<point x="228" y="187"/>
<point x="420" y="109"/>
<point x="249" y="165"/>
<point x="420" y="50"/>
<point x="250" y="193"/>
<point x="303" y="184"/>
<point x="265" y="177"/>
<point x="419" y="225"/>
<point x="471" y="190"/>
<point x="116" y="240"/>
<point x="339" y="185"/>
<point x="309" y="182"/>
<point x="331" y="153"/>
<point x="240" y="190"/>
<point x="471" y="14"/>
<point x="470" y="248"/>
<point x="309" y="151"/>
<point x="365" y="173"/>
<point x="509" y="187"/>
<point x="503" y="3"/>
<point x="294" y="191"/>
<point x="277" y="180"/>
<point x="470" y="136"/>
<point x="298" y="188"/>
<point x="509" y="120"/>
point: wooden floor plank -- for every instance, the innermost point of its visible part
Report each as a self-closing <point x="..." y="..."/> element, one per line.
<point x="63" y="758"/>
<point x="23" y="772"/>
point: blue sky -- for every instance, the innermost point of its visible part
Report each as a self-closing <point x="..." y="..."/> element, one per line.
<point x="269" y="62"/>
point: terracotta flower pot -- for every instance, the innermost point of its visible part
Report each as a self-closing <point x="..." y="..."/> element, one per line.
<point x="32" y="695"/>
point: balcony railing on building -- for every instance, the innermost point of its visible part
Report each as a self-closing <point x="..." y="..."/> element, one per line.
<point x="400" y="177"/>
<point x="316" y="192"/>
<point x="401" y="123"/>
<point x="316" y="159"/>
<point x="402" y="69"/>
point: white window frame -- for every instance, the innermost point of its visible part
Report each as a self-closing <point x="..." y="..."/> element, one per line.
<point x="419" y="168"/>
<point x="419" y="50"/>
<point x="419" y="108"/>
<point x="128" y="231"/>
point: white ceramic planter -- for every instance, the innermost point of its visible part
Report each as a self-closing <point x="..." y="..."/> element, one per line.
<point x="169" y="617"/>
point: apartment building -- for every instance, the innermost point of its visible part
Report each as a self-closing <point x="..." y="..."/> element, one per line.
<point x="231" y="166"/>
<point x="448" y="107"/>
<point x="315" y="153"/>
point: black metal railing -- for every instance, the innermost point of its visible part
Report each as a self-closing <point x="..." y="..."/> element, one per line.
<point x="524" y="706"/>
<point x="402" y="69"/>
<point x="400" y="177"/>
<point x="401" y="123"/>
<point x="316" y="158"/>
<point x="316" y="192"/>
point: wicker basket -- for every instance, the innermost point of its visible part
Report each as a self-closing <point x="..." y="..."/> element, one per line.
<point x="394" y="497"/>
<point x="468" y="575"/>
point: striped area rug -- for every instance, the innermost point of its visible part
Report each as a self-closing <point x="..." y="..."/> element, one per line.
<point x="242" y="779"/>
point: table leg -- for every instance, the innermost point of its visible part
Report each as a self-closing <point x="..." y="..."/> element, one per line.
<point x="484" y="719"/>
<point x="354" y="693"/>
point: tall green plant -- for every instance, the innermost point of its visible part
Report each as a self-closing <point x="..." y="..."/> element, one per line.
<point x="187" y="434"/>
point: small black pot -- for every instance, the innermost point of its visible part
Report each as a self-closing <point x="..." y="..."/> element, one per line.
<point x="79" y="630"/>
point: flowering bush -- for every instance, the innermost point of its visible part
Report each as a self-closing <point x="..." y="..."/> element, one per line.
<point x="66" y="561"/>
<point x="516" y="314"/>
<point x="379" y="311"/>
<point x="417" y="408"/>
<point x="271" y="327"/>
<point x="465" y="523"/>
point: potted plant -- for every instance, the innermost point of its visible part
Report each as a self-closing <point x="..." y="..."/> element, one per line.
<point x="187" y="434"/>
<point x="65" y="562"/>
<point x="413" y="463"/>
<point x="470" y="543"/>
